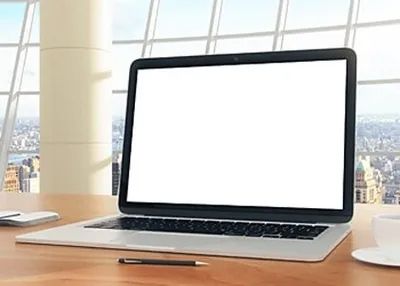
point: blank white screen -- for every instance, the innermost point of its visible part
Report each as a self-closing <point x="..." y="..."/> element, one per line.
<point x="269" y="135"/>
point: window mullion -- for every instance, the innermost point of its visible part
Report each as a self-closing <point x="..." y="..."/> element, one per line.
<point x="351" y="19"/>
<point x="214" y="22"/>
<point x="217" y="23"/>
<point x="279" y="23"/>
<point x="148" y="25"/>
<point x="283" y="24"/>
<point x="148" y="43"/>
<point x="353" y="36"/>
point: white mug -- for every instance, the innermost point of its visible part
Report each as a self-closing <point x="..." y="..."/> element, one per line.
<point x="386" y="228"/>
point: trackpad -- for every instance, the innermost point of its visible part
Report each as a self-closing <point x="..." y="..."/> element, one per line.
<point x="167" y="241"/>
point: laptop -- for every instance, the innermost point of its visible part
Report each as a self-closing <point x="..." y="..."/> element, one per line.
<point x="243" y="155"/>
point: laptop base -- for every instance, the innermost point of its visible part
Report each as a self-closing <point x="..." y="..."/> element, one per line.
<point x="216" y="245"/>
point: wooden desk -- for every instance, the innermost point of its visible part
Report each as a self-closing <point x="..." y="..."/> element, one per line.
<point x="24" y="264"/>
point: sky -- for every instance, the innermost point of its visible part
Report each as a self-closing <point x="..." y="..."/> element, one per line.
<point x="377" y="47"/>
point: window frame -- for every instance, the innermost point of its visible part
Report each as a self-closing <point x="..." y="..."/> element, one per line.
<point x="211" y="39"/>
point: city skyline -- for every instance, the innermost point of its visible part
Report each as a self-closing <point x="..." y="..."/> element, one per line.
<point x="377" y="155"/>
<point x="29" y="109"/>
<point x="375" y="133"/>
<point x="119" y="116"/>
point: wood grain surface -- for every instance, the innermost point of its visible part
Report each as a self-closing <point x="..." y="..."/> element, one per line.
<point x="25" y="264"/>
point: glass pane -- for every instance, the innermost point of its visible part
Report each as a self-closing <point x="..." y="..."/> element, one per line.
<point x="119" y="109"/>
<point x="118" y="125"/>
<point x="378" y="136"/>
<point x="182" y="18"/>
<point x="30" y="81"/>
<point x="3" y="106"/>
<point x="123" y="56"/>
<point x="382" y="99"/>
<point x="23" y="173"/>
<point x="35" y="34"/>
<point x="7" y="62"/>
<point x="11" y="17"/>
<point x="376" y="10"/>
<point x="378" y="52"/>
<point x="28" y="106"/>
<point x="129" y="19"/>
<point x="256" y="44"/>
<point x="317" y="13"/>
<point x="178" y="49"/>
<point x="315" y="40"/>
<point x="24" y="148"/>
<point x="239" y="16"/>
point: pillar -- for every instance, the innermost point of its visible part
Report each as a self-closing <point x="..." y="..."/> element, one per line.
<point x="75" y="96"/>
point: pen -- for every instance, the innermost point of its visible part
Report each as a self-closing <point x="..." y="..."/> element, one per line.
<point x="165" y="262"/>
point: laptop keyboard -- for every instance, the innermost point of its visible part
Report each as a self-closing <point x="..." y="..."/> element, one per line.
<point x="256" y="229"/>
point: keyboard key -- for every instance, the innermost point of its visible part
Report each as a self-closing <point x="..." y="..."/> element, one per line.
<point x="255" y="230"/>
<point x="304" y="237"/>
<point x="272" y="235"/>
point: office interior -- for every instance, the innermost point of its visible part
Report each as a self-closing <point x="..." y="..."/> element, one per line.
<point x="64" y="67"/>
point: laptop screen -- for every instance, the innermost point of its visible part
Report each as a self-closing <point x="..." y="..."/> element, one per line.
<point x="263" y="135"/>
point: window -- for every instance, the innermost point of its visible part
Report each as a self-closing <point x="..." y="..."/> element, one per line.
<point x="358" y="196"/>
<point x="240" y="17"/>
<point x="25" y="140"/>
<point x="3" y="106"/>
<point x="129" y="19"/>
<point x="11" y="16"/>
<point x="191" y="20"/>
<point x="316" y="13"/>
<point x="314" y="40"/>
<point x="30" y="81"/>
<point x="241" y="45"/>
<point x="378" y="52"/>
<point x="118" y="123"/>
<point x="7" y="60"/>
<point x="123" y="56"/>
<point x="178" y="27"/>
<point x="380" y="100"/>
<point x="178" y="48"/>
<point x="378" y="10"/>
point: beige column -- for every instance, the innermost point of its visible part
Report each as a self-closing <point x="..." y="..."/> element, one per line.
<point x="75" y="96"/>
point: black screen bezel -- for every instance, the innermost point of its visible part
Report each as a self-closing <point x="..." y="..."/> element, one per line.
<point x="245" y="212"/>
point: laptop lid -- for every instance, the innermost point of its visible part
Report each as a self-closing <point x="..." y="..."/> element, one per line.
<point x="258" y="136"/>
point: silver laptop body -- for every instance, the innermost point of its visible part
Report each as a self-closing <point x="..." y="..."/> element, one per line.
<point x="243" y="155"/>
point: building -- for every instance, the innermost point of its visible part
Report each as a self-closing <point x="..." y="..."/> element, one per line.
<point x="116" y="172"/>
<point x="397" y="198"/>
<point x="23" y="174"/>
<point x="33" y="163"/>
<point x="31" y="184"/>
<point x="115" y="178"/>
<point x="367" y="189"/>
<point x="11" y="179"/>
